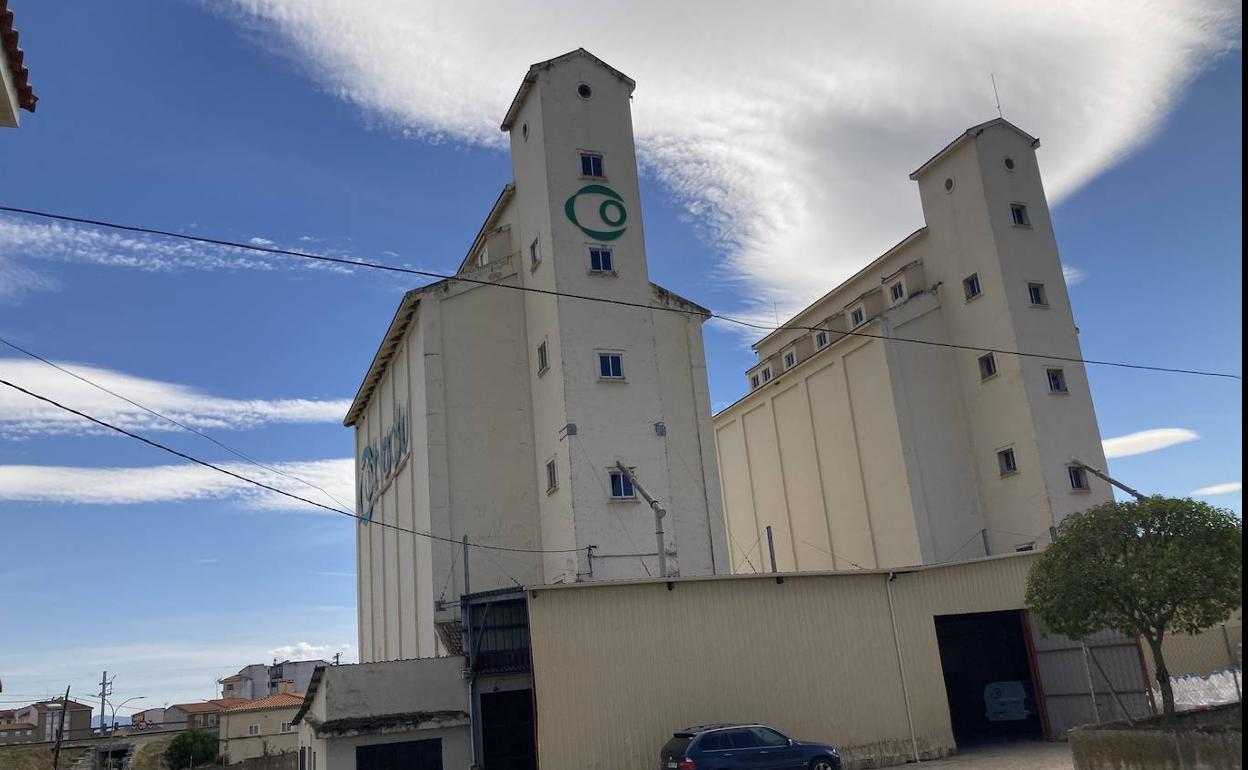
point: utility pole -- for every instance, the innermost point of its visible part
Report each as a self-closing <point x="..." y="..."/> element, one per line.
<point x="60" y="733"/>
<point x="659" y="513"/>
<point x="1100" y="474"/>
<point x="103" y="692"/>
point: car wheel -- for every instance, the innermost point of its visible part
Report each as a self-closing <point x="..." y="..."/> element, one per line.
<point x="822" y="763"/>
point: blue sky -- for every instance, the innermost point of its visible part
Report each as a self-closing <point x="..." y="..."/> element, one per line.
<point x="242" y="123"/>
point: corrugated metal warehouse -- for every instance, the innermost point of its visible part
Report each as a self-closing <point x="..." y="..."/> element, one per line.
<point x="885" y="665"/>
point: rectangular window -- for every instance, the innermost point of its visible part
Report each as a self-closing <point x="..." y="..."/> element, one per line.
<point x="821" y="340"/>
<point x="857" y="316"/>
<point x="601" y="260"/>
<point x="987" y="366"/>
<point x="591" y="164"/>
<point x="199" y="720"/>
<point x="1018" y="212"/>
<point x="767" y="374"/>
<point x="1035" y="292"/>
<point x="1057" y="380"/>
<point x="754" y="382"/>
<point x="285" y="727"/>
<point x="543" y="358"/>
<point x="790" y="360"/>
<point x="1078" y="478"/>
<point x="552" y="476"/>
<point x="535" y="252"/>
<point x="897" y="291"/>
<point x="621" y="486"/>
<point x="1006" y="462"/>
<point x="483" y="259"/>
<point x="253" y="729"/>
<point x="611" y="366"/>
<point x="971" y="286"/>
<point x="212" y="720"/>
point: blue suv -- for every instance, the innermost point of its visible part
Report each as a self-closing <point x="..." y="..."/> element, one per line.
<point x="736" y="747"/>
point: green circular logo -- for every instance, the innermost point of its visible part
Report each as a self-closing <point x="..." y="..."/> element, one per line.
<point x="611" y="212"/>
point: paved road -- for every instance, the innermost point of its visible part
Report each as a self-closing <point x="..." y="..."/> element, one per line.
<point x="1016" y="756"/>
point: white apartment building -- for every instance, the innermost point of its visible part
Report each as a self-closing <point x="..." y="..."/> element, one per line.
<point x="500" y="414"/>
<point x="859" y="451"/>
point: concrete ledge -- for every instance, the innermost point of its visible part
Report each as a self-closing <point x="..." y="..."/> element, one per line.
<point x="1207" y="739"/>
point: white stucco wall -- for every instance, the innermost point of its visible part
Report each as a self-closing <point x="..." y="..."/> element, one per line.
<point x="886" y="453"/>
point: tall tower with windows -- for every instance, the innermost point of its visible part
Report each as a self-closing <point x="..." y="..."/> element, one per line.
<point x="500" y="409"/>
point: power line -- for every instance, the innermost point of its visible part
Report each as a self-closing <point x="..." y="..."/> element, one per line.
<point x="262" y="485"/>
<point x="170" y="420"/>
<point x="625" y="303"/>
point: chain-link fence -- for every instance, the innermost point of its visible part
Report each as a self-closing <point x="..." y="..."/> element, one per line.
<point x="1206" y="669"/>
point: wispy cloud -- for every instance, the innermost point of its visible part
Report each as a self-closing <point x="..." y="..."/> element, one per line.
<point x="25" y="241"/>
<point x="1147" y="441"/>
<point x="1073" y="275"/>
<point x="306" y="651"/>
<point x="168" y="483"/>
<point x="1218" y="489"/>
<point x="786" y="130"/>
<point x="20" y="415"/>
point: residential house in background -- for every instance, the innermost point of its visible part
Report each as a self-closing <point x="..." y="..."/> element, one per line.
<point x="260" y="681"/>
<point x="41" y="721"/>
<point x="150" y="719"/>
<point x="260" y="727"/>
<point x="414" y="714"/>
<point x="861" y="451"/>
<point x="202" y="715"/>
<point x="15" y="91"/>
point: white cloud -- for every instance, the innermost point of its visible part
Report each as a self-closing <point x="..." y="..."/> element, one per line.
<point x="168" y="483"/>
<point x="1147" y="441"/>
<point x="21" y="415"/>
<point x="305" y="651"/>
<point x="1073" y="275"/>
<point x="787" y="130"/>
<point x="23" y="241"/>
<point x="1218" y="489"/>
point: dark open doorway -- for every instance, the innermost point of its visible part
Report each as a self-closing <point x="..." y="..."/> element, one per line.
<point x="507" y="730"/>
<point x="407" y="755"/>
<point x="988" y="677"/>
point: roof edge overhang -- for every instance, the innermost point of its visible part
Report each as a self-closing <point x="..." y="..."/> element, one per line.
<point x="500" y="203"/>
<point x="530" y="78"/>
<point x="967" y="135"/>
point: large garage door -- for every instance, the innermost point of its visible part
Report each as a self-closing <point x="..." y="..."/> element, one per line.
<point x="1069" y="676"/>
<point x="408" y="755"/>
<point x="988" y="678"/>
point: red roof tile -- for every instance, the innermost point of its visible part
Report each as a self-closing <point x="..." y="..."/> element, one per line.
<point x="8" y="48"/>
<point x="283" y="700"/>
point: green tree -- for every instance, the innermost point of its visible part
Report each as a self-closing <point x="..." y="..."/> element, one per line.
<point x="1145" y="568"/>
<point x="191" y="748"/>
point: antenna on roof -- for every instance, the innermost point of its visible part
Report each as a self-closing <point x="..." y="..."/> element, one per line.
<point x="997" y="95"/>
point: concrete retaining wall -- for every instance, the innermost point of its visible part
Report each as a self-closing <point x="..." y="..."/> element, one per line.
<point x="1209" y="739"/>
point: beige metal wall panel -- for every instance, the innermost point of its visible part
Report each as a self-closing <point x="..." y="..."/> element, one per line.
<point x="1201" y="654"/>
<point x="619" y="667"/>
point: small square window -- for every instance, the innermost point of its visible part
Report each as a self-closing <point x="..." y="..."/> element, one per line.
<point x="591" y="164"/>
<point x="621" y="486"/>
<point x="767" y="374"/>
<point x="1057" y="380"/>
<point x="543" y="358"/>
<point x="1006" y="462"/>
<point x="754" y="382"/>
<point x="601" y="260"/>
<point x="535" y="252"/>
<point x="1078" y="478"/>
<point x="552" y="476"/>
<point x="897" y="291"/>
<point x="970" y="285"/>
<point x="1018" y="212"/>
<point x="857" y="316"/>
<point x="483" y="259"/>
<point x="821" y="340"/>
<point x="611" y="366"/>
<point x="790" y="360"/>
<point x="987" y="366"/>
<point x="1035" y="292"/>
